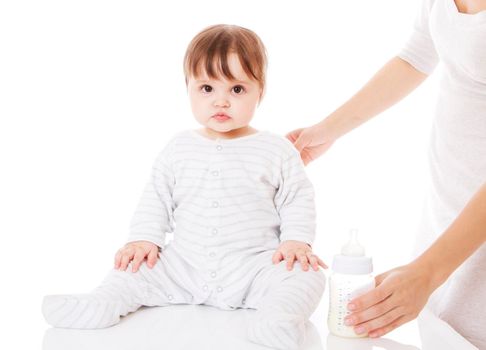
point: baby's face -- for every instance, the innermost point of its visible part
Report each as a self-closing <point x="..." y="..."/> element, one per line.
<point x="223" y="105"/>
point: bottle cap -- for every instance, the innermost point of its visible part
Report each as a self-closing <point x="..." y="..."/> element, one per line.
<point x="352" y="260"/>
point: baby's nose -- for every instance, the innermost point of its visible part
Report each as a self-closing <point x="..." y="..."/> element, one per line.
<point x="221" y="101"/>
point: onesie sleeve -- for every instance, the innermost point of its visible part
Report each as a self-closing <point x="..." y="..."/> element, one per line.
<point x="419" y="50"/>
<point x="153" y="217"/>
<point x="294" y="200"/>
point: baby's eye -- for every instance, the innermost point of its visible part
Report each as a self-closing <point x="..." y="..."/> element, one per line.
<point x="206" y="88"/>
<point x="238" y="89"/>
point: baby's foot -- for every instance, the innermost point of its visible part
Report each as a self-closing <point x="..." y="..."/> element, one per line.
<point x="280" y="331"/>
<point x="83" y="311"/>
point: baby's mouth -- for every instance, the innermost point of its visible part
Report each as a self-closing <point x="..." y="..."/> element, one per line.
<point x="221" y="117"/>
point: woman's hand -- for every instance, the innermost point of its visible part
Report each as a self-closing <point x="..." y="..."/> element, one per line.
<point x="390" y="84"/>
<point x="292" y="251"/>
<point x="401" y="293"/>
<point x="399" y="296"/>
<point x="311" y="142"/>
<point x="136" y="252"/>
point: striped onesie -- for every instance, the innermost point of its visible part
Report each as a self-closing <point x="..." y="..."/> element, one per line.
<point x="229" y="203"/>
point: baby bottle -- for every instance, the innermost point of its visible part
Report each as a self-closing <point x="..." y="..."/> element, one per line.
<point x="351" y="277"/>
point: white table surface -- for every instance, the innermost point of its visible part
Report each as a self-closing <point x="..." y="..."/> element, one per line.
<point x="202" y="327"/>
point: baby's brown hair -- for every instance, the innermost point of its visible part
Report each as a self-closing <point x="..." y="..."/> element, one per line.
<point x="208" y="52"/>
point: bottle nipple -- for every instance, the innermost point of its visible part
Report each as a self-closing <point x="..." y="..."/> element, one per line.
<point x="353" y="248"/>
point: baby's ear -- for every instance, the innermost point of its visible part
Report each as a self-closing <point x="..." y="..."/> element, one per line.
<point x="262" y="93"/>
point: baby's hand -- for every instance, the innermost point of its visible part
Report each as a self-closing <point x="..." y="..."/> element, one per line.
<point x="136" y="251"/>
<point x="296" y="250"/>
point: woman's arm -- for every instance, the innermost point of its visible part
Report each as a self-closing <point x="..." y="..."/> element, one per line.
<point x="465" y="235"/>
<point x="401" y="293"/>
<point x="395" y="80"/>
<point x="390" y="84"/>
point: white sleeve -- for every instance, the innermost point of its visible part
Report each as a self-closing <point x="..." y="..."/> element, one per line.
<point x="153" y="217"/>
<point x="294" y="201"/>
<point x="419" y="50"/>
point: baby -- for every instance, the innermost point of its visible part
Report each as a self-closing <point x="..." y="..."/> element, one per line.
<point x="238" y="202"/>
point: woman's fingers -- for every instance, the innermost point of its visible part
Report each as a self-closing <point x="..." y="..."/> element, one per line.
<point x="301" y="142"/>
<point x="293" y="135"/>
<point x="372" y="313"/>
<point x="306" y="156"/>
<point x="382" y="321"/>
<point x="369" y="299"/>
<point x="391" y="326"/>
<point x="399" y="297"/>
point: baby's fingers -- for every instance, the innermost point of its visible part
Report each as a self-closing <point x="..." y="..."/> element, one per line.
<point x="126" y="257"/>
<point x="152" y="257"/>
<point x="304" y="262"/>
<point x="125" y="260"/>
<point x="277" y="257"/>
<point x="137" y="259"/>
<point x="118" y="257"/>
<point x="313" y="261"/>
<point x="321" y="263"/>
<point x="290" y="260"/>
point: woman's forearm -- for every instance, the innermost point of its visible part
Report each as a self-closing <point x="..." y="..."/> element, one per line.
<point x="461" y="239"/>
<point x="389" y="85"/>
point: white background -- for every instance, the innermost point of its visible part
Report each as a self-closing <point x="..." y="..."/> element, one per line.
<point x="90" y="91"/>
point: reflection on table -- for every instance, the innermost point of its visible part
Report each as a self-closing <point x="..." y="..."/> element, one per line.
<point x="194" y="327"/>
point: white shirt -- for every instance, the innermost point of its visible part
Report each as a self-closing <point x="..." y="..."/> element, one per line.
<point x="457" y="153"/>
